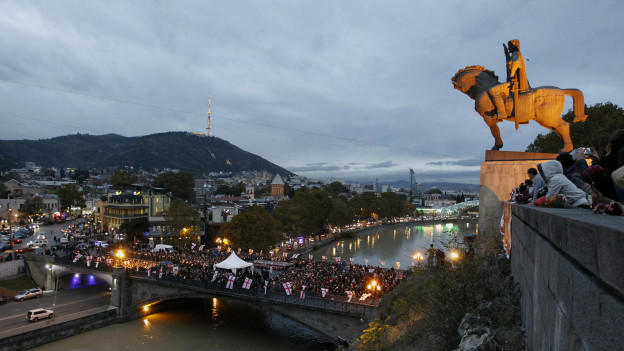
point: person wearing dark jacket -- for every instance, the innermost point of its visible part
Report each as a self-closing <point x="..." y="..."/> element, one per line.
<point x="571" y="172"/>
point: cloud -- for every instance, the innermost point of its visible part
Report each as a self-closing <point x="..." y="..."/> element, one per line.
<point x="467" y="163"/>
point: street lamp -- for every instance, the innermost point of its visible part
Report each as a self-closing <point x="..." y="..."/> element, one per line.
<point x="419" y="258"/>
<point x="51" y="269"/>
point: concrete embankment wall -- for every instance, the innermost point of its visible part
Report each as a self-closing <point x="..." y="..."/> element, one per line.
<point x="59" y="331"/>
<point x="569" y="265"/>
<point x="12" y="269"/>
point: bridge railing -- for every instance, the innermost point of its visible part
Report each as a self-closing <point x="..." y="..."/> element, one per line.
<point x="312" y="299"/>
<point x="102" y="266"/>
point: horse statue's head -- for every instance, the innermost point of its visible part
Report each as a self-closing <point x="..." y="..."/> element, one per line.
<point x="473" y="78"/>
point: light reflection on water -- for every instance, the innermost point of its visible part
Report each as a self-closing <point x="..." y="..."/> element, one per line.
<point x="393" y="244"/>
<point x="199" y="324"/>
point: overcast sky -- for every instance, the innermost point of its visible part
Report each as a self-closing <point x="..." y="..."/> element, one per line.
<point x="347" y="89"/>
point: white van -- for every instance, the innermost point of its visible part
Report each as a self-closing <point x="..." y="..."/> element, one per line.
<point x="162" y="247"/>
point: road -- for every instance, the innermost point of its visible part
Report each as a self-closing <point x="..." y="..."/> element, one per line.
<point x="70" y="304"/>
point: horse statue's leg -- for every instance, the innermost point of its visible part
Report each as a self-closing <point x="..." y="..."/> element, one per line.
<point x="578" y="104"/>
<point x="492" y="123"/>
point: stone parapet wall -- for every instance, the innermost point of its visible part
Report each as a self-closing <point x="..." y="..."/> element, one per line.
<point x="569" y="265"/>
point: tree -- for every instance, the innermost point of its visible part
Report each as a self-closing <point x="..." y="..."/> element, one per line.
<point x="79" y="175"/>
<point x="434" y="191"/>
<point x="135" y="227"/>
<point x="3" y="191"/>
<point x="33" y="206"/>
<point x="602" y="119"/>
<point x="122" y="180"/>
<point x="306" y="213"/>
<point x="70" y="196"/>
<point x="253" y="229"/>
<point x="340" y="214"/>
<point x="334" y="189"/>
<point x="180" y="184"/>
<point x="182" y="221"/>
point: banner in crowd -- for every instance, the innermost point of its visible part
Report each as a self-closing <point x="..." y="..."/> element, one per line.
<point x="364" y="296"/>
<point x="230" y="282"/>
<point x="247" y="283"/>
<point x="302" y="292"/>
<point x="192" y="246"/>
<point x="77" y="257"/>
<point x="287" y="288"/>
<point x="349" y="294"/>
<point x="324" y="291"/>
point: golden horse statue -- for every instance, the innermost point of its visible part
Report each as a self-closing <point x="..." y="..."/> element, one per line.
<point x="542" y="104"/>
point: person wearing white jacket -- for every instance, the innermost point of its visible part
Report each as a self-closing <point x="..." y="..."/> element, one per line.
<point x="559" y="184"/>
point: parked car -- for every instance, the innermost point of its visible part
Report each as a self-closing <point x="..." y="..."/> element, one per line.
<point x="28" y="294"/>
<point x="24" y="250"/>
<point x="17" y="241"/>
<point x="3" y="299"/>
<point x="102" y="244"/>
<point x="20" y="235"/>
<point x="43" y="243"/>
<point x="37" y="314"/>
<point x="64" y="241"/>
<point x="40" y="237"/>
<point x="82" y="246"/>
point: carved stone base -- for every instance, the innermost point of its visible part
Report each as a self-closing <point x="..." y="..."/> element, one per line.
<point x="500" y="172"/>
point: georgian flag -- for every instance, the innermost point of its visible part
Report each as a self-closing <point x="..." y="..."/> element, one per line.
<point x="97" y="262"/>
<point x="364" y="296"/>
<point x="266" y="284"/>
<point x="350" y="294"/>
<point x="310" y="257"/>
<point x="338" y="259"/>
<point x="77" y="257"/>
<point x="175" y="270"/>
<point x="285" y="254"/>
<point x="324" y="291"/>
<point x="324" y="258"/>
<point x="295" y="255"/>
<point x="192" y="246"/>
<point x="351" y="260"/>
<point x="230" y="282"/>
<point x="160" y="273"/>
<point x="247" y="283"/>
<point x="287" y="288"/>
<point x="383" y="263"/>
<point x="302" y="292"/>
<point x="214" y="276"/>
<point x="398" y="264"/>
<point x="201" y="247"/>
<point x="88" y="261"/>
<point x="109" y="261"/>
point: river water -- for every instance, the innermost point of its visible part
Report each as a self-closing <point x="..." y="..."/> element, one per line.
<point x="215" y="324"/>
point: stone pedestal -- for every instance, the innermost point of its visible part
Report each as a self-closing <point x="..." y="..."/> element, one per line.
<point x="501" y="171"/>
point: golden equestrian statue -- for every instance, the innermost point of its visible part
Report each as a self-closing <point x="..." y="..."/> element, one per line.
<point x="515" y="100"/>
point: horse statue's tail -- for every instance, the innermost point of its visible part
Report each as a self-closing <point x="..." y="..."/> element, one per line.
<point x="578" y="104"/>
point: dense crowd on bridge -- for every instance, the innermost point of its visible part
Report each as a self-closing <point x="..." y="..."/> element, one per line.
<point x="335" y="278"/>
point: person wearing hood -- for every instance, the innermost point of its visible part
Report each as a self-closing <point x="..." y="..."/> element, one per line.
<point x="559" y="184"/>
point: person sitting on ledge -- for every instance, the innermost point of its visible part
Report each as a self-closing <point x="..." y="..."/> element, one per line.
<point x="558" y="184"/>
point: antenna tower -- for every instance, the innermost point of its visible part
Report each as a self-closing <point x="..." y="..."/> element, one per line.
<point x="209" y="126"/>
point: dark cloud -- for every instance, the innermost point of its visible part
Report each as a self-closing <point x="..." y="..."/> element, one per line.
<point x="467" y="163"/>
<point x="329" y="89"/>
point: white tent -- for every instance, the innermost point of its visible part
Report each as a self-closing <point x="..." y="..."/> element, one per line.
<point x="233" y="262"/>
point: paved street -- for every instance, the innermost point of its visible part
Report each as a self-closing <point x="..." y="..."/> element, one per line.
<point x="70" y="304"/>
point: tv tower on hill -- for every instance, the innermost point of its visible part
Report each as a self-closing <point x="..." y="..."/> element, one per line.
<point x="209" y="125"/>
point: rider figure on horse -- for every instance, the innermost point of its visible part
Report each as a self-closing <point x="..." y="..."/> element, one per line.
<point x="517" y="82"/>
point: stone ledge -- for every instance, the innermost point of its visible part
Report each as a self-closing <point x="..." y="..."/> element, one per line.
<point x="593" y="241"/>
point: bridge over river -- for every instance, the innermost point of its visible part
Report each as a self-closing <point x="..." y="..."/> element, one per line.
<point x="131" y="291"/>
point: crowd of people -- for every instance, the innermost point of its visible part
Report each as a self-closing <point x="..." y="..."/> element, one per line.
<point x="570" y="181"/>
<point x="336" y="278"/>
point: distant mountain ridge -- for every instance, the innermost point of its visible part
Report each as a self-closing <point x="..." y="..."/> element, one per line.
<point x="176" y="150"/>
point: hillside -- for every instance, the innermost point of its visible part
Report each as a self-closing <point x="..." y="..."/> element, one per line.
<point x="176" y="150"/>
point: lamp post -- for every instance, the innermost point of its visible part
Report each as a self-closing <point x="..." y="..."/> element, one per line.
<point x="51" y="269"/>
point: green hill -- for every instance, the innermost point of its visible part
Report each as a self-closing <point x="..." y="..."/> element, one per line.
<point x="176" y="150"/>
